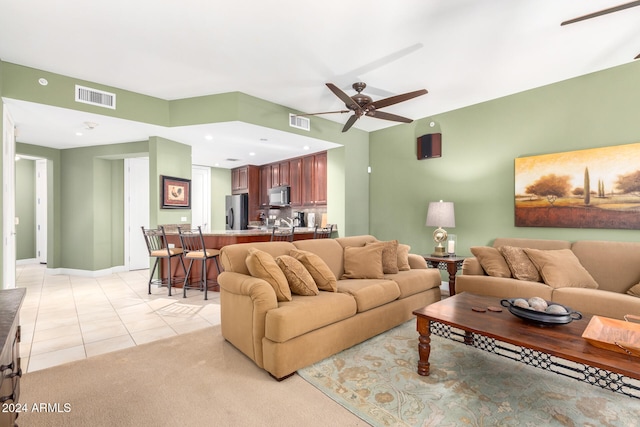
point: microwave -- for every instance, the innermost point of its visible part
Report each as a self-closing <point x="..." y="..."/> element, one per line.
<point x="280" y="196"/>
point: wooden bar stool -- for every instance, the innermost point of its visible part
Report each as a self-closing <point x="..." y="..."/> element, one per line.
<point x="323" y="233"/>
<point x="158" y="247"/>
<point x="282" y="234"/>
<point x="192" y="242"/>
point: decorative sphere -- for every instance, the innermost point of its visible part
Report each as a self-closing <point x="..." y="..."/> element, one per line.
<point x="556" y="309"/>
<point x="520" y="302"/>
<point x="538" y="303"/>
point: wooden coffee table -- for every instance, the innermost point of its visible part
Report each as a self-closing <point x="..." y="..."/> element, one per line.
<point x="563" y="341"/>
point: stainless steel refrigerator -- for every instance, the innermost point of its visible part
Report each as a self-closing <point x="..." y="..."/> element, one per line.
<point x="237" y="211"/>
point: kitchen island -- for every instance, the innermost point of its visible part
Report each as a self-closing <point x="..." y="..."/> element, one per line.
<point x="216" y="239"/>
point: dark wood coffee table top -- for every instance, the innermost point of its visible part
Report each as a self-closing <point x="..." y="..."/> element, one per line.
<point x="563" y="341"/>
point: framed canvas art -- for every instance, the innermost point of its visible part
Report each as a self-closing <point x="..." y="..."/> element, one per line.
<point x="593" y="188"/>
<point x="175" y="193"/>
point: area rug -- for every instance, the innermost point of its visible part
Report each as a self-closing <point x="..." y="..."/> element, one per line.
<point x="377" y="381"/>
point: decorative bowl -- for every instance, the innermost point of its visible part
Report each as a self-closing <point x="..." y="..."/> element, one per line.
<point x="541" y="318"/>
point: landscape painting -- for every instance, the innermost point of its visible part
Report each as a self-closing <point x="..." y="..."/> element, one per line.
<point x="593" y="188"/>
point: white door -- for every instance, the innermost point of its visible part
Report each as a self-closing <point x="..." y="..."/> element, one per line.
<point x="41" y="211"/>
<point x="9" y="203"/>
<point x="136" y="195"/>
<point x="201" y="197"/>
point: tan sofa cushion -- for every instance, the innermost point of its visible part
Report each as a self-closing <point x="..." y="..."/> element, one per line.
<point x="369" y="293"/>
<point x="263" y="266"/>
<point x="634" y="290"/>
<point x="403" y="257"/>
<point x="491" y="260"/>
<point x="519" y="263"/>
<point x="415" y="281"/>
<point x="302" y="315"/>
<point x="363" y="262"/>
<point x="561" y="269"/>
<point x="299" y="279"/>
<point x="317" y="268"/>
<point x="329" y="250"/>
<point x="355" y="240"/>
<point x="389" y="256"/>
<point x="233" y="257"/>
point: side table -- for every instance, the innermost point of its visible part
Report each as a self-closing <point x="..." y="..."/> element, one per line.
<point x="450" y="263"/>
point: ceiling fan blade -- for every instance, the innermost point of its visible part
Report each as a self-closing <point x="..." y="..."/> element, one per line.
<point x="350" y="103"/>
<point x="602" y="12"/>
<point x="350" y="123"/>
<point x="388" y="116"/>
<point x="381" y="103"/>
<point x="325" y="112"/>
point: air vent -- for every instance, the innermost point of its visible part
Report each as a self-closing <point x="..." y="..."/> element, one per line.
<point x="232" y="160"/>
<point x="86" y="95"/>
<point x="299" y="122"/>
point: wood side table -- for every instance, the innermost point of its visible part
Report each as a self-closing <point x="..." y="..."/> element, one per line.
<point x="450" y="263"/>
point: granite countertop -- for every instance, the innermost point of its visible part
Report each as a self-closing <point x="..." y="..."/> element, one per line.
<point x="253" y="232"/>
<point x="10" y="302"/>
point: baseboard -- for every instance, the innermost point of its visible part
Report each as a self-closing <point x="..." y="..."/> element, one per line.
<point x="26" y="261"/>
<point x="86" y="273"/>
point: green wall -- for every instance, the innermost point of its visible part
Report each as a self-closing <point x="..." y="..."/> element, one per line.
<point x="220" y="187"/>
<point x="26" y="209"/>
<point x="479" y="145"/>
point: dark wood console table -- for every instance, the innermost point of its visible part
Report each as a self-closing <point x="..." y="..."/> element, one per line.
<point x="10" y="369"/>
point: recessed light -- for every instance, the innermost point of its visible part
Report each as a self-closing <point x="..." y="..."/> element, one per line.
<point x="432" y="124"/>
<point x="78" y="133"/>
<point x="43" y="81"/>
<point x="252" y="153"/>
<point x="208" y="137"/>
<point x="216" y="164"/>
<point x="306" y="147"/>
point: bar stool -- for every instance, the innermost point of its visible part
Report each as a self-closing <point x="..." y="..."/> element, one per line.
<point x="324" y="232"/>
<point x="192" y="242"/>
<point x="282" y="234"/>
<point x="158" y="247"/>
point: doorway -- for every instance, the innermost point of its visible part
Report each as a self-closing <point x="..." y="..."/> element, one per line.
<point x="9" y="202"/>
<point x="41" y="211"/>
<point x="136" y="196"/>
<point x="201" y="197"/>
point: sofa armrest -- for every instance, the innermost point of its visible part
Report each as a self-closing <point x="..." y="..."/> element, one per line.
<point x="471" y="266"/>
<point x="244" y="303"/>
<point x="417" y="261"/>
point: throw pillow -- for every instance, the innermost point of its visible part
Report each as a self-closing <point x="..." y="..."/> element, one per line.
<point x="491" y="260"/>
<point x="364" y="262"/>
<point x="319" y="270"/>
<point x="635" y="290"/>
<point x="403" y="257"/>
<point x="560" y="268"/>
<point x="300" y="281"/>
<point x="519" y="263"/>
<point x="389" y="256"/>
<point x="262" y="265"/>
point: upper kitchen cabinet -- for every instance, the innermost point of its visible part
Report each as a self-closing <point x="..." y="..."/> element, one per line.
<point x="280" y="174"/>
<point x="265" y="184"/>
<point x="314" y="179"/>
<point x="240" y="180"/>
<point x="295" y="178"/>
<point x="246" y="179"/>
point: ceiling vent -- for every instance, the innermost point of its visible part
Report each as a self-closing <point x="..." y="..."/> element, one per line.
<point x="87" y="95"/>
<point x="232" y="160"/>
<point x="299" y="122"/>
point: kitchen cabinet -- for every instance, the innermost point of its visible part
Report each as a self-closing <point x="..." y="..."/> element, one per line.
<point x="240" y="180"/>
<point x="265" y="184"/>
<point x="314" y="179"/>
<point x="280" y="174"/>
<point x="295" y="178"/>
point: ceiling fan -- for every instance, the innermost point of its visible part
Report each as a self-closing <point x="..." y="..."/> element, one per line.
<point x="363" y="105"/>
<point x="604" y="12"/>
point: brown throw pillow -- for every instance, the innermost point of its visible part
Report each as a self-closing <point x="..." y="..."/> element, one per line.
<point x="560" y="268"/>
<point x="262" y="265"/>
<point x="519" y="263"/>
<point x="364" y="262"/>
<point x="389" y="256"/>
<point x="300" y="281"/>
<point x="319" y="270"/>
<point x="403" y="257"/>
<point x="635" y="290"/>
<point x="491" y="260"/>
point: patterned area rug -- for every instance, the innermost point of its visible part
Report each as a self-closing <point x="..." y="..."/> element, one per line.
<point x="378" y="382"/>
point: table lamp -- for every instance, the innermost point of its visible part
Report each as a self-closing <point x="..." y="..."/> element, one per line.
<point x="440" y="214"/>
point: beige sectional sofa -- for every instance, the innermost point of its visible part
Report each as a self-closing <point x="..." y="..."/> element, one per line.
<point x="614" y="267"/>
<point x="283" y="336"/>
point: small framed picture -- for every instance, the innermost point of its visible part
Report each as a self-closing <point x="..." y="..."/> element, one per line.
<point x="175" y="193"/>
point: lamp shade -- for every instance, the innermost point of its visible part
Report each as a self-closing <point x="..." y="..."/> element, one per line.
<point x="440" y="214"/>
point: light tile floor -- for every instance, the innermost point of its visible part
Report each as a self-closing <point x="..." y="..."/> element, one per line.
<point x="67" y="318"/>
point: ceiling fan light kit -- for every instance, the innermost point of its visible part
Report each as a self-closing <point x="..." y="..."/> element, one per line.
<point x="363" y="105"/>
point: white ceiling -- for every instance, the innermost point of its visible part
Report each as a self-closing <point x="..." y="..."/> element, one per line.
<point x="462" y="51"/>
